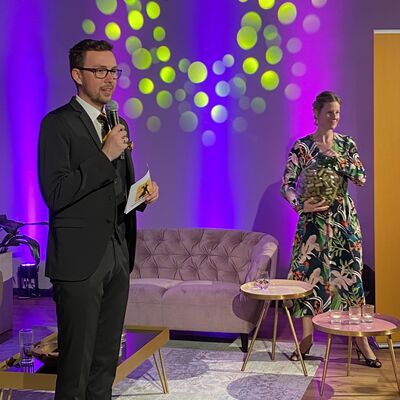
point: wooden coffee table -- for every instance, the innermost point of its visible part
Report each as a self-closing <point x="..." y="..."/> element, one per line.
<point x="278" y="289"/>
<point x="141" y="343"/>
<point x="383" y="325"/>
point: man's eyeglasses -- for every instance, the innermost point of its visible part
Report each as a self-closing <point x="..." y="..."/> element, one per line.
<point x="101" y="73"/>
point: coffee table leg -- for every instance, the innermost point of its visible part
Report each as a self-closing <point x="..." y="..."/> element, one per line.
<point x="161" y="372"/>
<point x="349" y="350"/>
<point x="9" y="394"/>
<point x="260" y="319"/>
<point x="328" y="349"/>
<point x="275" y="329"/>
<point x="390" y="344"/>
<point x="295" y="339"/>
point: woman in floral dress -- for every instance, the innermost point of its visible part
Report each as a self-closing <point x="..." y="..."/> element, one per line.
<point x="327" y="249"/>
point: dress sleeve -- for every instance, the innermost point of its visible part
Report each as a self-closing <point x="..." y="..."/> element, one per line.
<point x="350" y="165"/>
<point x="290" y="175"/>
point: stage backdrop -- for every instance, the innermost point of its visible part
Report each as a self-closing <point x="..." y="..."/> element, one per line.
<point x="215" y="93"/>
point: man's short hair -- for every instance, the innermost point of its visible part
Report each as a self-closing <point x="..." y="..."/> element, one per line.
<point x="78" y="52"/>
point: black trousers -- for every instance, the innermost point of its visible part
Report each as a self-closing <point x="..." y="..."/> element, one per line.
<point x="90" y="316"/>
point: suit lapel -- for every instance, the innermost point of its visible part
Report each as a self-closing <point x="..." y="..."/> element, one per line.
<point x="86" y="121"/>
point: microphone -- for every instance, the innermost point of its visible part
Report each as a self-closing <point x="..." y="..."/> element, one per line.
<point x="111" y="109"/>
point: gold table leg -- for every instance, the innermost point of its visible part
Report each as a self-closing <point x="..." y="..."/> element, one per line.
<point x="275" y="329"/>
<point x="9" y="394"/>
<point x="260" y="319"/>
<point x="349" y="350"/>
<point x="390" y="344"/>
<point x="295" y="340"/>
<point x="161" y="372"/>
<point x="328" y="349"/>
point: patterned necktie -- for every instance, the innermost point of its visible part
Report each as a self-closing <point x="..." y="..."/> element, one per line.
<point x="104" y="125"/>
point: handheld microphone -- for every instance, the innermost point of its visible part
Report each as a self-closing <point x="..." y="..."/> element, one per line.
<point x="111" y="109"/>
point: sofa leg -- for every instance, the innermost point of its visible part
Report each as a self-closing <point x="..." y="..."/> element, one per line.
<point x="245" y="342"/>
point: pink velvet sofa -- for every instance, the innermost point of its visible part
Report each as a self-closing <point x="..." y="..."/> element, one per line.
<point x="189" y="279"/>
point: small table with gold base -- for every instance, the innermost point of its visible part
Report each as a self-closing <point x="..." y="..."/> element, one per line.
<point x="382" y="326"/>
<point x="141" y="343"/>
<point x="278" y="289"/>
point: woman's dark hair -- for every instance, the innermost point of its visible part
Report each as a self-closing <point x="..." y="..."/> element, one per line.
<point x="78" y="52"/>
<point x="325" y="97"/>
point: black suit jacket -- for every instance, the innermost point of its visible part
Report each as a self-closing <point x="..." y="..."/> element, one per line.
<point x="77" y="184"/>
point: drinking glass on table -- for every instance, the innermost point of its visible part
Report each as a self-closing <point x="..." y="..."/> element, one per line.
<point x="262" y="280"/>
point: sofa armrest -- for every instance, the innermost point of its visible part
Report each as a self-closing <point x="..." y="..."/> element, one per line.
<point x="264" y="256"/>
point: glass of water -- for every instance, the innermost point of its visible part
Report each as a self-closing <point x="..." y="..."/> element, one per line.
<point x="262" y="280"/>
<point x="25" y="337"/>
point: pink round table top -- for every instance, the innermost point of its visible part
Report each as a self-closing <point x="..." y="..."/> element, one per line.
<point x="383" y="325"/>
<point x="278" y="289"/>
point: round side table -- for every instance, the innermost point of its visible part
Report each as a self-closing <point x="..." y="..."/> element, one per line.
<point x="383" y="325"/>
<point x="278" y="289"/>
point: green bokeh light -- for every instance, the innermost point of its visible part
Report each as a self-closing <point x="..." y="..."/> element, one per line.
<point x="107" y="7"/>
<point x="167" y="74"/>
<point x="238" y="87"/>
<point x="132" y="43"/>
<point x="201" y="99"/>
<point x="88" y="26"/>
<point x="228" y="60"/>
<point x="258" y="105"/>
<point x="134" y="5"/>
<point x="133" y="108"/>
<point x="270" y="32"/>
<point x="252" y="19"/>
<point x="197" y="72"/>
<point x="287" y="13"/>
<point x="183" y="65"/>
<point x="180" y="95"/>
<point x="164" y="99"/>
<point x="146" y="86"/>
<point x="222" y="88"/>
<point x="188" y="121"/>
<point x="244" y="103"/>
<point x="219" y="114"/>
<point x="266" y="4"/>
<point x="250" y="65"/>
<point x="153" y="124"/>
<point x="153" y="52"/>
<point x="218" y="67"/>
<point x="246" y="37"/>
<point x="141" y="58"/>
<point x="269" y="80"/>
<point x="132" y="2"/>
<point x="239" y="124"/>
<point x="153" y="10"/>
<point x="136" y="20"/>
<point x="113" y="31"/>
<point x="273" y="55"/>
<point x="159" y="33"/>
<point x="163" y="53"/>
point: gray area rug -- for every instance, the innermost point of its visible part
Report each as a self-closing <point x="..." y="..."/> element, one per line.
<point x="211" y="371"/>
<point x="198" y="370"/>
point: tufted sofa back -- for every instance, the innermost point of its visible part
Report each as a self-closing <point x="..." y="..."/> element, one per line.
<point x="200" y="254"/>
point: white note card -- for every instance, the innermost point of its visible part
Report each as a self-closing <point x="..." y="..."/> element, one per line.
<point x="138" y="193"/>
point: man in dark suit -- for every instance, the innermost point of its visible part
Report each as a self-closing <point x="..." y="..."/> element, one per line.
<point x="84" y="181"/>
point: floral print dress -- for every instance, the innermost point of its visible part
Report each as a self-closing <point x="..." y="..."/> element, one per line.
<point x="327" y="250"/>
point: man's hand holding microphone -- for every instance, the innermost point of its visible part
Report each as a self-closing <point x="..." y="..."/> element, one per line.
<point x="115" y="142"/>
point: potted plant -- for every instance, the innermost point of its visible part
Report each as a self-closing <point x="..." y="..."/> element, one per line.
<point x="26" y="272"/>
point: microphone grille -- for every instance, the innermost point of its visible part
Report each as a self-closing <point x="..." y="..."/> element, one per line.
<point x="111" y="106"/>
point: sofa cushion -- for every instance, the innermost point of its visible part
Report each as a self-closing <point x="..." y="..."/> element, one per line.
<point x="195" y="254"/>
<point x="149" y="290"/>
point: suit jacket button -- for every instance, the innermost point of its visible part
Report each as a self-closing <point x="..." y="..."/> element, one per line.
<point x="108" y="220"/>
